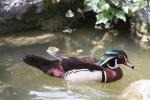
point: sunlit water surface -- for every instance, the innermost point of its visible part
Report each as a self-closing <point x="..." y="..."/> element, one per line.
<point x="31" y="84"/>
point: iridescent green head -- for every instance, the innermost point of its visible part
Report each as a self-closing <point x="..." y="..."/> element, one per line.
<point x="112" y="58"/>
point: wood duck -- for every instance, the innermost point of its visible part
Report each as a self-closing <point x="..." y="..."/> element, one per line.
<point x="82" y="68"/>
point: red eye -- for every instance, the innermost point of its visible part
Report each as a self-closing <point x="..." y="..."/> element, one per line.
<point x="120" y="56"/>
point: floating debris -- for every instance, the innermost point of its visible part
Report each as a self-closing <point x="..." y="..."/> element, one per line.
<point x="78" y="51"/>
<point x="68" y="30"/>
<point x="69" y="14"/>
<point x="6" y="88"/>
<point x="53" y="49"/>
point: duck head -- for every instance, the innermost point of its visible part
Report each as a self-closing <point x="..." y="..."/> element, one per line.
<point x="112" y="58"/>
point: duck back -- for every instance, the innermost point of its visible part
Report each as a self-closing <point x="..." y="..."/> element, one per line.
<point x="73" y="63"/>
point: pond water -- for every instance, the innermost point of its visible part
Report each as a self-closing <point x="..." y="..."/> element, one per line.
<point x="31" y="84"/>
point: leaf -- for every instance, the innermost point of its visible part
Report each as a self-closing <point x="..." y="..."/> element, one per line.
<point x="135" y="0"/>
<point x="103" y="17"/>
<point x="96" y="1"/>
<point x="133" y="7"/>
<point x="115" y="2"/>
<point x="137" y="5"/>
<point x="87" y="8"/>
<point x="96" y="5"/>
<point x="107" y="9"/>
<point x="143" y="3"/>
<point x="86" y="1"/>
<point x="102" y="7"/>
<point x="125" y="9"/>
<point x="95" y="8"/>
<point x="89" y="4"/>
<point x="121" y="15"/>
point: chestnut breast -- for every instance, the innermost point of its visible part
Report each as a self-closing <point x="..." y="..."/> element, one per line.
<point x="113" y="74"/>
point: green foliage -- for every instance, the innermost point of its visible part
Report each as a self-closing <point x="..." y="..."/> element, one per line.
<point x="108" y="10"/>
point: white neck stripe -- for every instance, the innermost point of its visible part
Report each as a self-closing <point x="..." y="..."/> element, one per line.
<point x="106" y="61"/>
<point x="105" y="77"/>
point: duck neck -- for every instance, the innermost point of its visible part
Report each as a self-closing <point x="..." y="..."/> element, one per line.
<point x="112" y="74"/>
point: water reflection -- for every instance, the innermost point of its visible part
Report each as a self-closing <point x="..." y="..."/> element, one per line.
<point x="54" y="93"/>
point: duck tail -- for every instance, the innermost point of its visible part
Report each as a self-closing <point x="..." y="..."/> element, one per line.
<point x="40" y="63"/>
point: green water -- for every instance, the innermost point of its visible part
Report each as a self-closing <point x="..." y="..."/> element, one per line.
<point x="31" y="84"/>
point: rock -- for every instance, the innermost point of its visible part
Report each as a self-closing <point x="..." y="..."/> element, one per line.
<point x="138" y="90"/>
<point x="15" y="8"/>
<point x="20" y="15"/>
<point x="11" y="12"/>
<point x="140" y="27"/>
<point x="141" y="20"/>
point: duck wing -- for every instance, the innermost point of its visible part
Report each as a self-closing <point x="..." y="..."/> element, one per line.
<point x="73" y="63"/>
<point x="56" y="55"/>
<point x="78" y="62"/>
<point x="85" y="59"/>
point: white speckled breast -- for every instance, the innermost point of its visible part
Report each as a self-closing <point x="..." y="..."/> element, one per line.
<point x="83" y="75"/>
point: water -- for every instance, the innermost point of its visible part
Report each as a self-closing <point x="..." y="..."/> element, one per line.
<point x="31" y="84"/>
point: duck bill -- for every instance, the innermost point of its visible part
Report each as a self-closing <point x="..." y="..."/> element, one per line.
<point x="127" y="63"/>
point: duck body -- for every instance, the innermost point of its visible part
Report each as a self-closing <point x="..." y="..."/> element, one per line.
<point x="84" y="69"/>
<point x="76" y="69"/>
<point x="85" y="75"/>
